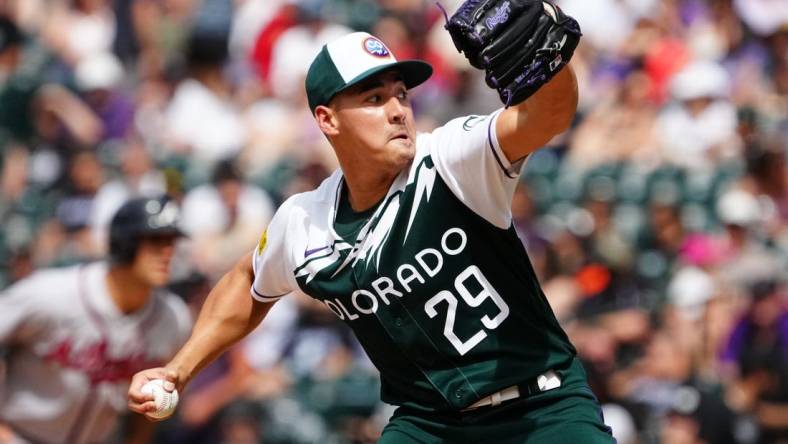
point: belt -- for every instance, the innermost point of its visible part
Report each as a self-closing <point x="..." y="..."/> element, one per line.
<point x="546" y="381"/>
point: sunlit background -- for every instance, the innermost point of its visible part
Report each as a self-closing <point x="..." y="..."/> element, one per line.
<point x="657" y="223"/>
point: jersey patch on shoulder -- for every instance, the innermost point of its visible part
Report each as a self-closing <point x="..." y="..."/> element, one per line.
<point x="263" y="240"/>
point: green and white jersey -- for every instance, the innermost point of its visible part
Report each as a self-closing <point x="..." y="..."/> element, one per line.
<point x="436" y="285"/>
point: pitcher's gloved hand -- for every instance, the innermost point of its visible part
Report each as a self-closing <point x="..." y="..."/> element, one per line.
<point x="521" y="44"/>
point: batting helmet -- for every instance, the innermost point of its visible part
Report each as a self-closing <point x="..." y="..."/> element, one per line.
<point x="138" y="218"/>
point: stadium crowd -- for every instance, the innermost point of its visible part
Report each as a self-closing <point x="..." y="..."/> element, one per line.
<point x="658" y="224"/>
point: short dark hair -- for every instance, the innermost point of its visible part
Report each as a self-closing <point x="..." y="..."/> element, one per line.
<point x="10" y="35"/>
<point x="226" y="170"/>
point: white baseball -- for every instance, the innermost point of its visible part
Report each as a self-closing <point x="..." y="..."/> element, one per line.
<point x="165" y="401"/>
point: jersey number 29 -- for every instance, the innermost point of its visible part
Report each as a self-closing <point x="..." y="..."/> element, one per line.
<point x="487" y="292"/>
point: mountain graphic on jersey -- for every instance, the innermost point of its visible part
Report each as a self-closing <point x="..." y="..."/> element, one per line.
<point x="369" y="243"/>
<point x="397" y="252"/>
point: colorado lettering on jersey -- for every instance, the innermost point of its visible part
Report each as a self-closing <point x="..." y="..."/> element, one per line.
<point x="427" y="264"/>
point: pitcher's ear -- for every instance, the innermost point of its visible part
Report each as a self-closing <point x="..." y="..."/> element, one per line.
<point x="327" y="120"/>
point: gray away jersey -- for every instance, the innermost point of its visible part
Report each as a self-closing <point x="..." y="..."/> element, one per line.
<point x="437" y="286"/>
<point x="72" y="352"/>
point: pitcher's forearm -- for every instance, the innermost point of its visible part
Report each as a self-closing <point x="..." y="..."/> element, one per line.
<point x="556" y="102"/>
<point x="227" y="316"/>
<point x="202" y="348"/>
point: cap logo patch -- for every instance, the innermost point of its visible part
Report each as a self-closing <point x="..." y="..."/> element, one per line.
<point x="375" y="47"/>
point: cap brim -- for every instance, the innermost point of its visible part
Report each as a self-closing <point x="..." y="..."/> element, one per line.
<point x="414" y="73"/>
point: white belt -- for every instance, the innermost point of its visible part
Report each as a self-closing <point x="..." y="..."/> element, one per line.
<point x="546" y="381"/>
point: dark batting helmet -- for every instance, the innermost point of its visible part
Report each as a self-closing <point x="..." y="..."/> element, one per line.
<point x="138" y="218"/>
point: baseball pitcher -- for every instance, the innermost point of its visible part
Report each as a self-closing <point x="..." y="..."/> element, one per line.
<point x="411" y="241"/>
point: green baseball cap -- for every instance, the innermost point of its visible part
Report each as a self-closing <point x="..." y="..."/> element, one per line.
<point x="350" y="59"/>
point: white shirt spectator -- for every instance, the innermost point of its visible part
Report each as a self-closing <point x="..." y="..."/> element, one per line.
<point x="220" y="234"/>
<point x="204" y="213"/>
<point x="293" y="53"/>
<point x="763" y="16"/>
<point x="250" y="17"/>
<point x="208" y="124"/>
<point x="694" y="134"/>
<point x="75" y="33"/>
<point x="607" y="23"/>
<point x="687" y="139"/>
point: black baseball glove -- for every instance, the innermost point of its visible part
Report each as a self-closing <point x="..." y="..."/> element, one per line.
<point x="520" y="44"/>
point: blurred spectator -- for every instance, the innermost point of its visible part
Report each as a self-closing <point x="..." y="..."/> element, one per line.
<point x="10" y="48"/>
<point x="660" y="242"/>
<point x="777" y="45"/>
<point x="31" y="106"/>
<point x="297" y="46"/>
<point x="605" y="241"/>
<point x="202" y="119"/>
<point x="762" y="16"/>
<point x="664" y="382"/>
<point x="161" y="29"/>
<point x="524" y="214"/>
<point x="619" y="129"/>
<point x="693" y="419"/>
<point x="756" y="357"/>
<point x="77" y="29"/>
<point x="281" y="18"/>
<point x="249" y="19"/>
<point x="98" y="77"/>
<point x="320" y="347"/>
<point x="699" y="314"/>
<point x="768" y="171"/>
<point x="699" y="130"/>
<point x="744" y="257"/>
<point x="767" y="178"/>
<point x="138" y="177"/>
<point x="278" y="136"/>
<point x="74" y="209"/>
<point x="224" y="218"/>
<point x="608" y="23"/>
<point x="688" y="292"/>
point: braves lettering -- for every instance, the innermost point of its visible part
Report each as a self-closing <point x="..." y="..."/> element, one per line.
<point x="93" y="361"/>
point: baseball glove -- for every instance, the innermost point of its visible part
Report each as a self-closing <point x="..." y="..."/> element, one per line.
<point x="521" y="44"/>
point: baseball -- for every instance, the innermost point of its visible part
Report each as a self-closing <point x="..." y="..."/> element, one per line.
<point x="165" y="401"/>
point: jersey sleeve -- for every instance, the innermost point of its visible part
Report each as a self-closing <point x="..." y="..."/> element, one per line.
<point x="272" y="259"/>
<point x="21" y="319"/>
<point x="183" y="322"/>
<point x="468" y="157"/>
